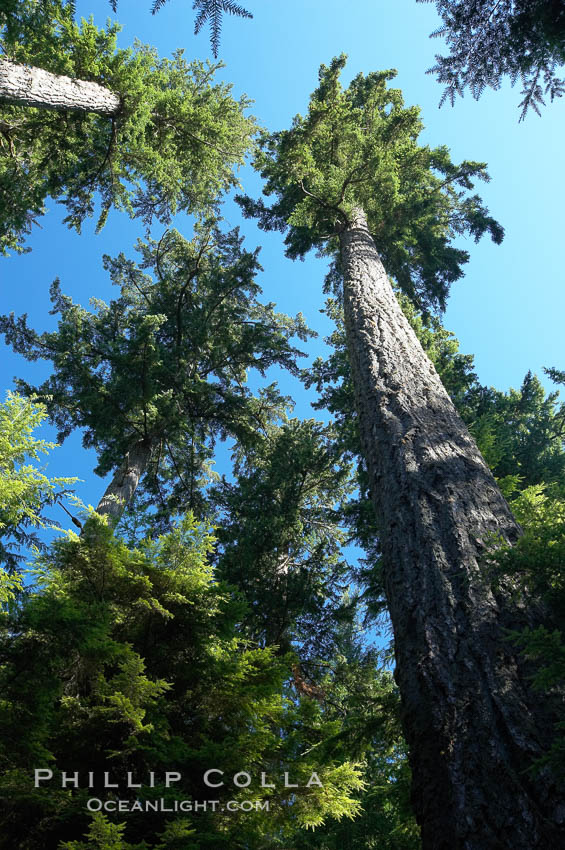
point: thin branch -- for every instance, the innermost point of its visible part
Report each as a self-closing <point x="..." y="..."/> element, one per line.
<point x="320" y="201"/>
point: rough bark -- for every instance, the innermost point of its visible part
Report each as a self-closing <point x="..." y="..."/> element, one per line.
<point x="123" y="485"/>
<point x="23" y="85"/>
<point x="471" y="722"/>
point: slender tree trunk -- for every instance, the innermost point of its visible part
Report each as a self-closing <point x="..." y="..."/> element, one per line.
<point x="123" y="485"/>
<point x="471" y="723"/>
<point x="23" y="85"/>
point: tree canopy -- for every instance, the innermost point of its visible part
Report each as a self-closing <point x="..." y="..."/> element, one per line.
<point x="358" y="147"/>
<point x="140" y="649"/>
<point x="207" y="12"/>
<point x="165" y="363"/>
<point x="520" y="39"/>
<point x="172" y="146"/>
<point x="223" y="622"/>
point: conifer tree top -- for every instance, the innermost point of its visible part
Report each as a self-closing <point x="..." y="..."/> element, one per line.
<point x="358" y="147"/>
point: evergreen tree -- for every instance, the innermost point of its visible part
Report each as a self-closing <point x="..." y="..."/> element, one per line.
<point x="520" y="434"/>
<point x="280" y="538"/>
<point x="488" y="40"/>
<point x="331" y="377"/>
<point x="537" y="564"/>
<point x="339" y="699"/>
<point x="25" y="490"/>
<point x="365" y="699"/>
<point x="351" y="179"/>
<point x="157" y="375"/>
<point x="89" y="123"/>
<point x="280" y="534"/>
<point x="128" y="662"/>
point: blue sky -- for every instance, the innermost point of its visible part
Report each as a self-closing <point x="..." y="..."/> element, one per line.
<point x="508" y="309"/>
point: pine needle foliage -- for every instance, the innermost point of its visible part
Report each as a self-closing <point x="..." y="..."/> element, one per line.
<point x="492" y="39"/>
<point x="210" y="11"/>
<point x="537" y="563"/>
<point x="359" y="147"/>
<point x="25" y="490"/>
<point x="173" y="146"/>
<point x="280" y="537"/>
<point x="130" y="661"/>
<point x="207" y="11"/>
<point x="167" y="361"/>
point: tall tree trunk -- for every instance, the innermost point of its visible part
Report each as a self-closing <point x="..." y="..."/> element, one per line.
<point x="471" y="722"/>
<point x="23" y="85"/>
<point x="123" y="485"/>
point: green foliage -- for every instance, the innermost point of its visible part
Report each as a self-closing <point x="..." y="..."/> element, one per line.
<point x="128" y="660"/>
<point x="24" y="489"/>
<point x="167" y="361"/>
<point x="172" y="146"/>
<point x="207" y="11"/>
<point x="520" y="38"/>
<point x="537" y="563"/>
<point x="520" y="432"/>
<point x="10" y="586"/>
<point x="280" y="537"/>
<point x="102" y="835"/>
<point x="358" y="147"/>
<point x="540" y="553"/>
<point x="364" y="698"/>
